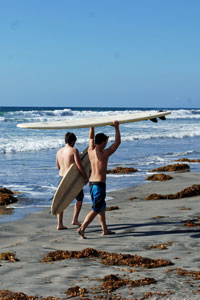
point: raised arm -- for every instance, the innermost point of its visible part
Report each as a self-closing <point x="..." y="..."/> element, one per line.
<point x="117" y="142"/>
<point x="91" y="139"/>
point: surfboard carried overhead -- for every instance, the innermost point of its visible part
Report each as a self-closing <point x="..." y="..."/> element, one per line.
<point x="70" y="185"/>
<point x="98" y="121"/>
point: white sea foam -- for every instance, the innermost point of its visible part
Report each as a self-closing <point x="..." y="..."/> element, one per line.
<point x="184" y="114"/>
<point x="37" y="141"/>
<point x="29" y="144"/>
<point x="122" y="175"/>
<point x="38" y="115"/>
<point x="28" y="206"/>
<point x="182" y="153"/>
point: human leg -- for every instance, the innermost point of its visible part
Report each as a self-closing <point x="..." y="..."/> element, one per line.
<point x="60" y="225"/>
<point x="77" y="209"/>
<point x="88" y="219"/>
<point x="102" y="219"/>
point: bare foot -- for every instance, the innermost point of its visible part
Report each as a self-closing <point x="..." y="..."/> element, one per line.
<point x="81" y="232"/>
<point x="62" y="227"/>
<point x="76" y="223"/>
<point x="108" y="232"/>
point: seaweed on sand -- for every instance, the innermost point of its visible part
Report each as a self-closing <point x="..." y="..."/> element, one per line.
<point x="8" y="256"/>
<point x="191" y="191"/>
<point x="107" y="258"/>
<point x="113" y="282"/>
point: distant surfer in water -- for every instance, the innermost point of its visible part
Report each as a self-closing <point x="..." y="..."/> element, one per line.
<point x="65" y="157"/>
<point x="98" y="157"/>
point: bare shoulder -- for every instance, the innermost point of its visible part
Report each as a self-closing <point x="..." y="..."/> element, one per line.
<point x="59" y="151"/>
<point x="107" y="152"/>
<point x="75" y="151"/>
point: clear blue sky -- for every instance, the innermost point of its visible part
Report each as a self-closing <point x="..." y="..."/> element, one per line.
<point x="132" y="53"/>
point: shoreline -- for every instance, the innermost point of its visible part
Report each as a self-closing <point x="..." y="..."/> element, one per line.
<point x="138" y="224"/>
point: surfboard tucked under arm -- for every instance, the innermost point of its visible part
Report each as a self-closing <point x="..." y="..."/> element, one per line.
<point x="70" y="185"/>
<point x="96" y="122"/>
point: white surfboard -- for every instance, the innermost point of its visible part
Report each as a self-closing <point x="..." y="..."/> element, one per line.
<point x="95" y="122"/>
<point x="70" y="185"/>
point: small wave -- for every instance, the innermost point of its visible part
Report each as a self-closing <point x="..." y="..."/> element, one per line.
<point x="189" y="152"/>
<point x="38" y="115"/>
<point x="2" y="119"/>
<point x="184" y="114"/>
<point x="27" y="207"/>
<point x="174" y="133"/>
<point x="30" y="144"/>
<point x="58" y="113"/>
<point x="122" y="175"/>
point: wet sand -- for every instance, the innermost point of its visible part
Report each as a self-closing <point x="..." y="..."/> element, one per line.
<point x="142" y="227"/>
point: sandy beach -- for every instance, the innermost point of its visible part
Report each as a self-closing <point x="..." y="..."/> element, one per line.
<point x="153" y="229"/>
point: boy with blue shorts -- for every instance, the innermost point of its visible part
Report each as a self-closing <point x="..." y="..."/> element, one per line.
<point x="98" y="157"/>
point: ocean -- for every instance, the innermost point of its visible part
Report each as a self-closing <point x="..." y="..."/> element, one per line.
<point x="28" y="157"/>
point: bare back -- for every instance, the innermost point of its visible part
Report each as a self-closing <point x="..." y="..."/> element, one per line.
<point x="99" y="162"/>
<point x="65" y="158"/>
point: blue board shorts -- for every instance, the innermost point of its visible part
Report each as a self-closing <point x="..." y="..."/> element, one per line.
<point x="80" y="196"/>
<point x="98" y="195"/>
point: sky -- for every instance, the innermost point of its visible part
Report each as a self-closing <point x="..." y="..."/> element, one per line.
<point x="105" y="53"/>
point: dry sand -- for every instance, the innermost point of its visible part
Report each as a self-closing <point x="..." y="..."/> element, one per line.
<point x="138" y="224"/>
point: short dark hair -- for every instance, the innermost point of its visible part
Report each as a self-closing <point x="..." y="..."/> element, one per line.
<point x="70" y="137"/>
<point x="100" y="138"/>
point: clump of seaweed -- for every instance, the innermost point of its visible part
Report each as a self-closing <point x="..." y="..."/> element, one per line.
<point x="8" y="295"/>
<point x="113" y="282"/>
<point x="184" y="208"/>
<point x="148" y="295"/>
<point x="191" y="191"/>
<point x="193" y="223"/>
<point x="8" y="256"/>
<point x="111" y="259"/>
<point x="183" y="272"/>
<point x="188" y="160"/>
<point x="173" y="168"/>
<point x="76" y="291"/>
<point x="132" y="198"/>
<point x="121" y="170"/>
<point x="161" y="246"/>
<point x="6" y="197"/>
<point x="159" y="177"/>
<point x="112" y="208"/>
<point x="6" y="191"/>
<point x="160" y="217"/>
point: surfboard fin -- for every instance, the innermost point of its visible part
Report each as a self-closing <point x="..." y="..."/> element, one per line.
<point x="162" y="118"/>
<point x="154" y="120"/>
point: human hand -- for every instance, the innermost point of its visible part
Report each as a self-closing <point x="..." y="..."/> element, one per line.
<point x="115" y="123"/>
<point x="86" y="180"/>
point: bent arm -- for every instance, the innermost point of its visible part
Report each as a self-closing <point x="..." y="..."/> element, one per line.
<point x="57" y="162"/>
<point x="117" y="142"/>
<point x="79" y="165"/>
